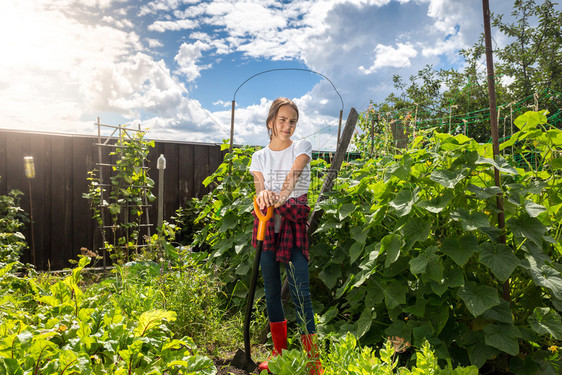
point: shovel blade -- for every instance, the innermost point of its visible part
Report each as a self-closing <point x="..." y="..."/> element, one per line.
<point x="243" y="361"/>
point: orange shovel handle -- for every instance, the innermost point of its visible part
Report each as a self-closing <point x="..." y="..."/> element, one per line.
<point x="262" y="218"/>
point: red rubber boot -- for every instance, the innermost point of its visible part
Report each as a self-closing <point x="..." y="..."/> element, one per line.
<point x="309" y="344"/>
<point x="279" y="337"/>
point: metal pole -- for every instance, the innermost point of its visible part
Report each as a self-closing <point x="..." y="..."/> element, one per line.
<point x="231" y="135"/>
<point x="161" y="165"/>
<point x="232" y="126"/>
<point x="30" y="174"/>
<point x="494" y="127"/>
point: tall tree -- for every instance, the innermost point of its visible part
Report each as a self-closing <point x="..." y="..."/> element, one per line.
<point x="533" y="57"/>
<point x="530" y="62"/>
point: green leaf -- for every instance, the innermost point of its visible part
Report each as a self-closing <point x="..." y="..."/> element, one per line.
<point x="364" y="323"/>
<point x="360" y="234"/>
<point x="434" y="270"/>
<point x="546" y="321"/>
<point x="452" y="278"/>
<point x="397" y="170"/>
<point x="478" y="298"/>
<point x="418" y="264"/>
<point x="195" y="364"/>
<point x="438" y="203"/>
<point x="418" y="309"/>
<point x="395" y="293"/>
<point x="391" y="244"/>
<point x="556" y="163"/>
<point x="527" y="227"/>
<point x="229" y="221"/>
<point x="438" y="315"/>
<point x="403" y="202"/>
<point x="529" y="120"/>
<point x="422" y="333"/>
<point x="330" y="275"/>
<point x="470" y="221"/>
<point x="546" y="276"/>
<point x="328" y="315"/>
<point x="503" y="336"/>
<point x="415" y="229"/>
<point x="355" y="251"/>
<point x="534" y="209"/>
<point x="114" y="208"/>
<point x="500" y="163"/>
<point x="448" y="178"/>
<point x="460" y="249"/>
<point x="152" y="319"/>
<point x="484" y="193"/>
<point x="345" y="210"/>
<point x="500" y="313"/>
<point x="480" y="353"/>
<point x="499" y="259"/>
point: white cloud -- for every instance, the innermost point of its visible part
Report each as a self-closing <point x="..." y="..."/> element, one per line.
<point x="119" y="23"/>
<point x="71" y="59"/>
<point x="389" y="56"/>
<point x="63" y="77"/>
<point x="163" y="6"/>
<point x="246" y="18"/>
<point x="162" y="26"/>
<point x="188" y="57"/>
<point x="154" y="43"/>
<point x="49" y="67"/>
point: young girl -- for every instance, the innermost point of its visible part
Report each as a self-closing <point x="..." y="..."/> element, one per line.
<point x="281" y="173"/>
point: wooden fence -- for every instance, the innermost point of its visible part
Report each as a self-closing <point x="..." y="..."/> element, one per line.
<point x="62" y="218"/>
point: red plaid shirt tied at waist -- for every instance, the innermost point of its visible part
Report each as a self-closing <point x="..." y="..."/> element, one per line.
<point x="294" y="222"/>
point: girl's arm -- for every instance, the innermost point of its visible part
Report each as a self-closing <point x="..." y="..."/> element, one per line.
<point x="265" y="198"/>
<point x="291" y="180"/>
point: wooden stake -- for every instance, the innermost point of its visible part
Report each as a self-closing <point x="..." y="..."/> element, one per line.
<point x="494" y="129"/>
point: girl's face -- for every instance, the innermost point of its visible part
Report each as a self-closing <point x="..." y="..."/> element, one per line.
<point x="284" y="124"/>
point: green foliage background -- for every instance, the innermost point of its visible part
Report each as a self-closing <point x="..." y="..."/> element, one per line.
<point x="408" y="246"/>
<point x="12" y="220"/>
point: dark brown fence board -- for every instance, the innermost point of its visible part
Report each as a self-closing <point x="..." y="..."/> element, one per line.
<point x="171" y="199"/>
<point x="3" y="162"/>
<point x="15" y="148"/>
<point x="58" y="212"/>
<point x="201" y="168"/>
<point x="82" y="226"/>
<point x="186" y="173"/>
<point x="62" y="218"/>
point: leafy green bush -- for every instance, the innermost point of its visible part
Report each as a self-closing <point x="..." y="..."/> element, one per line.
<point x="125" y="199"/>
<point x="409" y="246"/>
<point x="52" y="325"/>
<point x="184" y="220"/>
<point x="188" y="288"/>
<point x="12" y="219"/>
<point x="346" y="357"/>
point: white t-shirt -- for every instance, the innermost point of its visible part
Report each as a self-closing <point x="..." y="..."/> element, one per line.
<point x="275" y="166"/>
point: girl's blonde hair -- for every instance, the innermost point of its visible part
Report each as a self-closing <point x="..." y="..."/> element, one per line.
<point x="274" y="109"/>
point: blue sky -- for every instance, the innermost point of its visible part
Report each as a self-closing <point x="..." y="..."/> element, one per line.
<point x="173" y="65"/>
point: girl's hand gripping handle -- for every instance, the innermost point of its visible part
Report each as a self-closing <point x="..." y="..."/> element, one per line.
<point x="262" y="218"/>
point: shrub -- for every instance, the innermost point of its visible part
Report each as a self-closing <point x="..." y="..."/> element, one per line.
<point x="12" y="219"/>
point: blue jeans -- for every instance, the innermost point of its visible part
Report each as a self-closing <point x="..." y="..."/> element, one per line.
<point x="297" y="272"/>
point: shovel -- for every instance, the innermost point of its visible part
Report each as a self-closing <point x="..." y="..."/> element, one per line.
<point x="243" y="359"/>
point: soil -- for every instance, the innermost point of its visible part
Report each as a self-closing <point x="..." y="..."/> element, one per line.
<point x="224" y="368"/>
